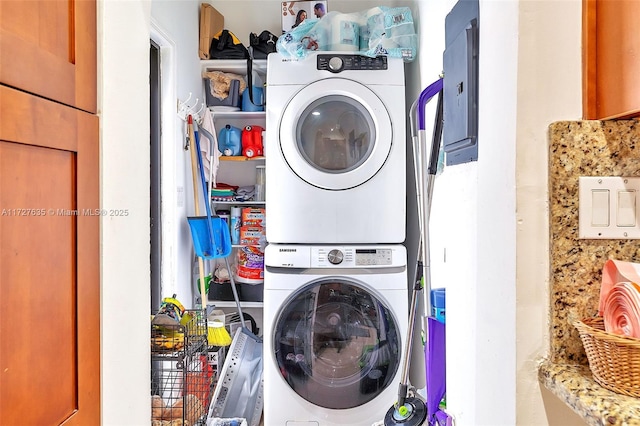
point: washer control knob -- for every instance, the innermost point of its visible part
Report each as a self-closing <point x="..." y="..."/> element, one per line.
<point x="336" y="64"/>
<point x="335" y="256"/>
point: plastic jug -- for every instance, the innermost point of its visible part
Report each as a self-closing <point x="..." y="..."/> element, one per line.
<point x="252" y="141"/>
<point x="229" y="141"/>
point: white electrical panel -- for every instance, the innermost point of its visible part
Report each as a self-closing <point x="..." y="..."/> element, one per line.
<point x="608" y="207"/>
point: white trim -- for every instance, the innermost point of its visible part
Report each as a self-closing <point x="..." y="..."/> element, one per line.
<point x="169" y="195"/>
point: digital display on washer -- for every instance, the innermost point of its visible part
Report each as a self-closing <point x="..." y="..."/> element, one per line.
<point x="337" y="345"/>
<point x="377" y="257"/>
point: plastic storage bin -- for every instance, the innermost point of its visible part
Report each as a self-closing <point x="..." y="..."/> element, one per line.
<point x="232" y="101"/>
<point x="438" y="297"/>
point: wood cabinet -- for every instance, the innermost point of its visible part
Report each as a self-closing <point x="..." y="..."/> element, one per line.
<point x="49" y="214"/>
<point x="611" y="59"/>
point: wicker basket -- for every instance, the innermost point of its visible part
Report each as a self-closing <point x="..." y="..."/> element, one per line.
<point x="614" y="360"/>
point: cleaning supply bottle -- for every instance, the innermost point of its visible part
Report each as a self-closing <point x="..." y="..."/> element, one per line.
<point x="236" y="223"/>
<point x="229" y="141"/>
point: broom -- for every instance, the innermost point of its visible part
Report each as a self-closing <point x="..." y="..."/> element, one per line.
<point x="217" y="335"/>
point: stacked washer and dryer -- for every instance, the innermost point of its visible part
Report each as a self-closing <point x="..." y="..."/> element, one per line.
<point x="335" y="288"/>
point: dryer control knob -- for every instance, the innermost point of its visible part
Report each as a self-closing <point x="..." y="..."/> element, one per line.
<point x="335" y="256"/>
<point x="336" y="64"/>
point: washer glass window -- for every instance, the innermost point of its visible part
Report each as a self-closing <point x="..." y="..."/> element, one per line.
<point x="336" y="344"/>
<point x="335" y="134"/>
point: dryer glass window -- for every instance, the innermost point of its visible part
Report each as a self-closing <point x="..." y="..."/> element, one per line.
<point x="336" y="343"/>
<point x="335" y="134"/>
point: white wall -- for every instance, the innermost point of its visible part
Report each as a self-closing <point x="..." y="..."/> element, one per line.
<point x="549" y="89"/>
<point x="485" y="214"/>
<point x="175" y="24"/>
<point x="123" y="107"/>
<point x="490" y="219"/>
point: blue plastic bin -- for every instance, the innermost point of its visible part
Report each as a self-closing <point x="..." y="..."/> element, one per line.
<point x="438" y="296"/>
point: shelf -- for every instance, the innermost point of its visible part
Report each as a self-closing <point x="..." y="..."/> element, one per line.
<point x="232" y="304"/>
<point x="239" y="158"/>
<point x="245" y="115"/>
<point x="247" y="203"/>
<point x="237" y="66"/>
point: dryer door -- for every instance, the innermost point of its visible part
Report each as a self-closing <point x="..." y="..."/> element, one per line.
<point x="336" y="134"/>
<point x="336" y="343"/>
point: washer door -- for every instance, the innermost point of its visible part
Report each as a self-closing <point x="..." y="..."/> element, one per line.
<point x="336" y="343"/>
<point x="335" y="134"/>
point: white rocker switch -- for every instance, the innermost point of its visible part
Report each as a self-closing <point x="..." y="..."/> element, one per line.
<point x="608" y="207"/>
<point x="599" y="207"/>
<point x="626" y="215"/>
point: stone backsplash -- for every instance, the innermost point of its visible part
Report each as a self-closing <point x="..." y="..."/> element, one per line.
<point x="582" y="148"/>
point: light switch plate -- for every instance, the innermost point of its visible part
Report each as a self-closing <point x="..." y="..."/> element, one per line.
<point x="609" y="207"/>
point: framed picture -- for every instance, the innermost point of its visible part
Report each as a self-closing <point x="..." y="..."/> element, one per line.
<point x="295" y="12"/>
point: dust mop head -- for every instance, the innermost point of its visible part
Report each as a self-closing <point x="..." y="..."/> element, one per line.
<point x="217" y="335"/>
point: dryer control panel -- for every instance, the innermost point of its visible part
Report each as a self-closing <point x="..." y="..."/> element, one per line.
<point x="337" y="63"/>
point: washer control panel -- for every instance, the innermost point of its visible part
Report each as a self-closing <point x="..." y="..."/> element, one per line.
<point x="350" y="257"/>
<point x="337" y="63"/>
<point x="334" y="257"/>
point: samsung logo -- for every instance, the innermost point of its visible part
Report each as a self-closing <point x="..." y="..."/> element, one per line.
<point x="287" y="250"/>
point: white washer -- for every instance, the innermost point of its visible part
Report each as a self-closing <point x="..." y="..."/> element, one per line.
<point x="335" y="318"/>
<point x="335" y="149"/>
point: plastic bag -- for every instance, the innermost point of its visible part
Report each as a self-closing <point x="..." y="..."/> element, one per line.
<point x="377" y="31"/>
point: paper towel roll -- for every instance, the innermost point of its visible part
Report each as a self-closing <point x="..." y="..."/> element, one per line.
<point x="373" y="18"/>
<point x="344" y="32"/>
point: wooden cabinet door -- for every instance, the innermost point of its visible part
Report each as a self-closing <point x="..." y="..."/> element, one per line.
<point x="611" y="59"/>
<point x="49" y="263"/>
<point x="49" y="225"/>
<point x="48" y="48"/>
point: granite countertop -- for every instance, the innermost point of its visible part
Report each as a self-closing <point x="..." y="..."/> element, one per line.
<point x="583" y="148"/>
<point x="574" y="384"/>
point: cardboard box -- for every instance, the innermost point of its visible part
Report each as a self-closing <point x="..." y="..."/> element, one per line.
<point x="291" y="9"/>
<point x="211" y="23"/>
<point x="253" y="216"/>
<point x="251" y="235"/>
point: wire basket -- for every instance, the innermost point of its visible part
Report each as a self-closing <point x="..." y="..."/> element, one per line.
<point x="181" y="378"/>
<point x="614" y="360"/>
<point x="188" y="335"/>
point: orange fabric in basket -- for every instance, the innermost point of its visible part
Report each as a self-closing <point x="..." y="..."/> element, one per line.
<point x="620" y="298"/>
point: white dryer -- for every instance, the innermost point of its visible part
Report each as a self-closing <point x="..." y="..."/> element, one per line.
<point x="335" y="318"/>
<point x="335" y="149"/>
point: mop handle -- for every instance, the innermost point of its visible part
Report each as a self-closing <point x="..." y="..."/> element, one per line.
<point x="194" y="174"/>
<point x="204" y="183"/>
<point x="426" y="95"/>
<point x="422" y="265"/>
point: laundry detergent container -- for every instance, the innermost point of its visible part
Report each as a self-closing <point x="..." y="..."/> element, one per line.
<point x="230" y="141"/>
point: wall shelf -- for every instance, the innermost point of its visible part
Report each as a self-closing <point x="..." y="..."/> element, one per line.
<point x="237" y="66"/>
<point x="243" y="203"/>
<point x="239" y="158"/>
<point x="231" y="304"/>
